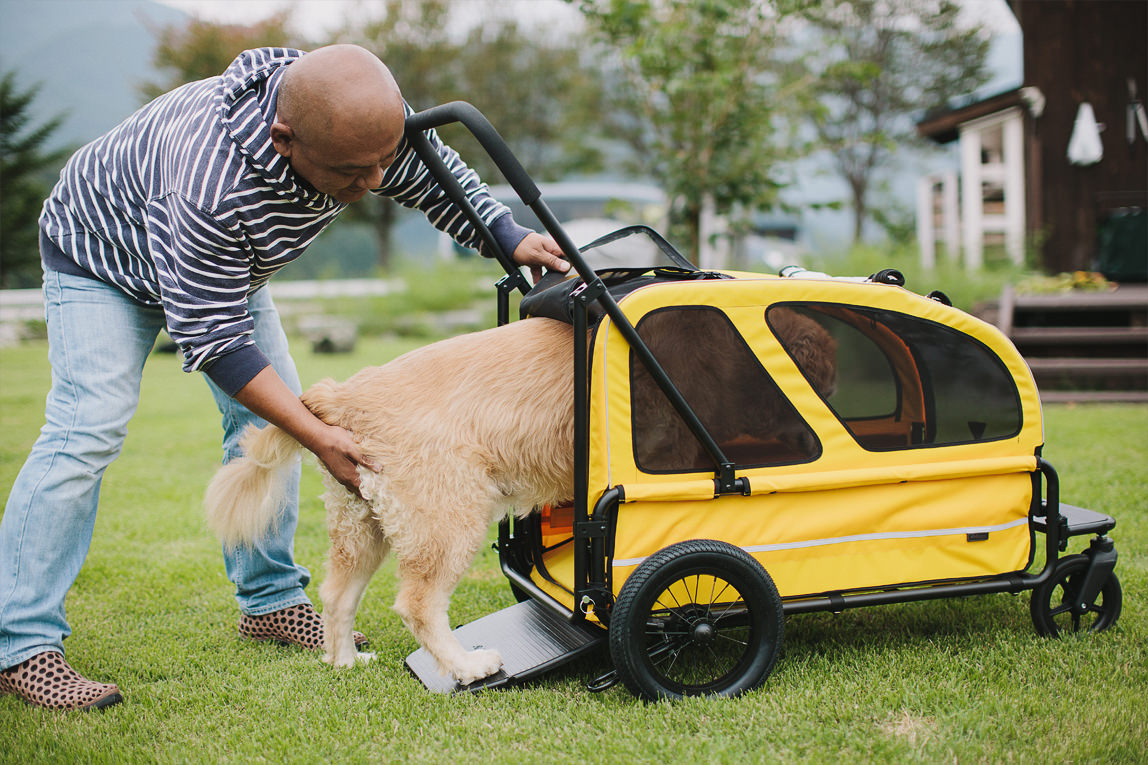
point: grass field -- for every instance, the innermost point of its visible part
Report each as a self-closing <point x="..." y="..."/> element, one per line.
<point x="152" y="611"/>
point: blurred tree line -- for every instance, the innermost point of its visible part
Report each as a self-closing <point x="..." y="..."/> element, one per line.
<point x="712" y="100"/>
<point x="24" y="160"/>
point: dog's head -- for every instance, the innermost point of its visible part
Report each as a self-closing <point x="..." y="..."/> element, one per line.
<point x="811" y="346"/>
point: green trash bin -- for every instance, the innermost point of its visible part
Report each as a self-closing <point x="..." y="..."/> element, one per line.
<point x="1122" y="246"/>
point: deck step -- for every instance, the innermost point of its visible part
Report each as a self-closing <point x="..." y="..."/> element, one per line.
<point x="1093" y="397"/>
<point x="1081" y="346"/>
<point x="1030" y="336"/>
<point x="1083" y="366"/>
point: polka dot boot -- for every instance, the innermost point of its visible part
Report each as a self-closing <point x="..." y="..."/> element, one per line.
<point x="46" y="680"/>
<point x="298" y="625"/>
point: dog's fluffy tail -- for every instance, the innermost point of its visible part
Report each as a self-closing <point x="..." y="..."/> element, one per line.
<point x="242" y="500"/>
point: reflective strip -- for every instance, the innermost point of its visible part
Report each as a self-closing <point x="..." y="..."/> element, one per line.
<point x="859" y="538"/>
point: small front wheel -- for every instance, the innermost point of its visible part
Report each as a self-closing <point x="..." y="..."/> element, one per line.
<point x="697" y="618"/>
<point x="1054" y="604"/>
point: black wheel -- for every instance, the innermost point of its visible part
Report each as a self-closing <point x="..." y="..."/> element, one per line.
<point x="1052" y="602"/>
<point x="697" y="618"/>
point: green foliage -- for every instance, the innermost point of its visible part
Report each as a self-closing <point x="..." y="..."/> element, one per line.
<point x="876" y="63"/>
<point x="23" y="159"/>
<point x="454" y="296"/>
<point x="696" y="95"/>
<point x="965" y="288"/>
<point x="944" y="681"/>
<point x="535" y="90"/>
<point x="199" y="49"/>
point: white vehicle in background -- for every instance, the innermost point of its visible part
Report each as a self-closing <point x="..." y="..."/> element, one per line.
<point x="586" y="210"/>
<point x="769" y="244"/>
<point x="589" y="210"/>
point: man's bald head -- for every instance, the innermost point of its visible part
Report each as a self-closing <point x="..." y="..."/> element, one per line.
<point x="338" y="84"/>
<point x="339" y="119"/>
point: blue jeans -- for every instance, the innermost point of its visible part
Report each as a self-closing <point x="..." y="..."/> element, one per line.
<point x="98" y="341"/>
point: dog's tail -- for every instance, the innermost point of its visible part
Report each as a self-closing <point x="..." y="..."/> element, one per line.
<point x="242" y="500"/>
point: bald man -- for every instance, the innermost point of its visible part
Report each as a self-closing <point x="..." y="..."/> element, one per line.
<point x="175" y="220"/>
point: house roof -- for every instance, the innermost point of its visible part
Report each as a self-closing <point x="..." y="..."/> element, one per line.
<point x="941" y="126"/>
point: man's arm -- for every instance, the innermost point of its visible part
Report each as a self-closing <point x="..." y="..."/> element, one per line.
<point x="269" y="397"/>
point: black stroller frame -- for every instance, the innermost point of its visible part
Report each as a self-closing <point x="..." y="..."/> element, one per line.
<point x="540" y="619"/>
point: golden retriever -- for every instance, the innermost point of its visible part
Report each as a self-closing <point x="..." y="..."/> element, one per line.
<point x="464" y="430"/>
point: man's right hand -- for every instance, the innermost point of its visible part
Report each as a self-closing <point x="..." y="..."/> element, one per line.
<point x="269" y="397"/>
<point x="340" y="454"/>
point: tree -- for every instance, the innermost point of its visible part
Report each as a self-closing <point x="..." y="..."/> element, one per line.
<point x="875" y="64"/>
<point x="199" y="49"/>
<point x="697" y="97"/>
<point x="540" y="94"/>
<point x="537" y="93"/>
<point x="23" y="159"/>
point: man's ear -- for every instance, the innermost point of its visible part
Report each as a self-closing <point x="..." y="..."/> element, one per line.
<point x="282" y="138"/>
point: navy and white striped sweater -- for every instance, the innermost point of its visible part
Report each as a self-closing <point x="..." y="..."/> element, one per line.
<point x="187" y="205"/>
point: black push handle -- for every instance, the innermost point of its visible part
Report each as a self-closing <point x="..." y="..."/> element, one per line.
<point x="494" y="145"/>
<point x="415" y="133"/>
<point x="474" y="121"/>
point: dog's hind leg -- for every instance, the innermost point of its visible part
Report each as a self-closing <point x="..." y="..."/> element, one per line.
<point x="427" y="578"/>
<point x="357" y="550"/>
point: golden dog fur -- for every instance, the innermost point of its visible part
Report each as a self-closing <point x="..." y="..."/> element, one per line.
<point x="464" y="430"/>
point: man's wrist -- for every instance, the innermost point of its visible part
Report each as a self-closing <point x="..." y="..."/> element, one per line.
<point x="232" y="371"/>
<point x="508" y="233"/>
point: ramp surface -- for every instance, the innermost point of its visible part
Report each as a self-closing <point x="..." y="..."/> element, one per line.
<point x="531" y="638"/>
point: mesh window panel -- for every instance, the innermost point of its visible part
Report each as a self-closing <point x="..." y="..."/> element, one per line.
<point x="726" y="386"/>
<point x="904" y="382"/>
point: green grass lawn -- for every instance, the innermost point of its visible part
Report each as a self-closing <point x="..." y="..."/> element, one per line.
<point x="960" y="680"/>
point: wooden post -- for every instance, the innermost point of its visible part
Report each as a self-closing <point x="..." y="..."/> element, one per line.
<point x="972" y="199"/>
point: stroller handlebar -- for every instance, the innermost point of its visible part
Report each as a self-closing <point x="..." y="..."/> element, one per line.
<point x="474" y="121"/>
<point x="494" y="145"/>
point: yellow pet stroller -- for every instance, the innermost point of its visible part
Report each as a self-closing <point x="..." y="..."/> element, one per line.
<point x="752" y="446"/>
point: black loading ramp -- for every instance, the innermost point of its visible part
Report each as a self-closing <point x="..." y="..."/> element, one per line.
<point x="532" y="639"/>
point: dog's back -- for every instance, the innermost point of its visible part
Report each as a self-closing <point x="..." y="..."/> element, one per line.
<point x="498" y="401"/>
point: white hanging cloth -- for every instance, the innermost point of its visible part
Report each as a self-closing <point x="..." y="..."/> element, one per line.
<point x="1084" y="147"/>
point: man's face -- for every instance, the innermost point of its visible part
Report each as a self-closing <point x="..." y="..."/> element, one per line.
<point x="347" y="169"/>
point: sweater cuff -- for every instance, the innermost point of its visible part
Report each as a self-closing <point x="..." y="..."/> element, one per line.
<point x="508" y="233"/>
<point x="234" y="370"/>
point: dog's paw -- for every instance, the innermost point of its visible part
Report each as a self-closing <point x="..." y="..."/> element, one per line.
<point x="349" y="659"/>
<point x="477" y="665"/>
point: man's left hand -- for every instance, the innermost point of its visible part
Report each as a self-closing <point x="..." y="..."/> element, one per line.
<point x="538" y="252"/>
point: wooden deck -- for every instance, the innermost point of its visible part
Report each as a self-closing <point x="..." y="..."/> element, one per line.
<point x="1082" y="346"/>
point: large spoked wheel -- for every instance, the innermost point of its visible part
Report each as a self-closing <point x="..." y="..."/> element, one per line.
<point x="696" y="618"/>
<point x="1053" y="603"/>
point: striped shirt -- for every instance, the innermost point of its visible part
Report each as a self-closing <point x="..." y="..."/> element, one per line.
<point x="187" y="206"/>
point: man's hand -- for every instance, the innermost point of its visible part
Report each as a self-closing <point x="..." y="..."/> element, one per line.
<point x="267" y="396"/>
<point x="538" y="252"/>
<point x="339" y="453"/>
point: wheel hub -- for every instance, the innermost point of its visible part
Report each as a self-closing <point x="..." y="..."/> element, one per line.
<point x="703" y="632"/>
